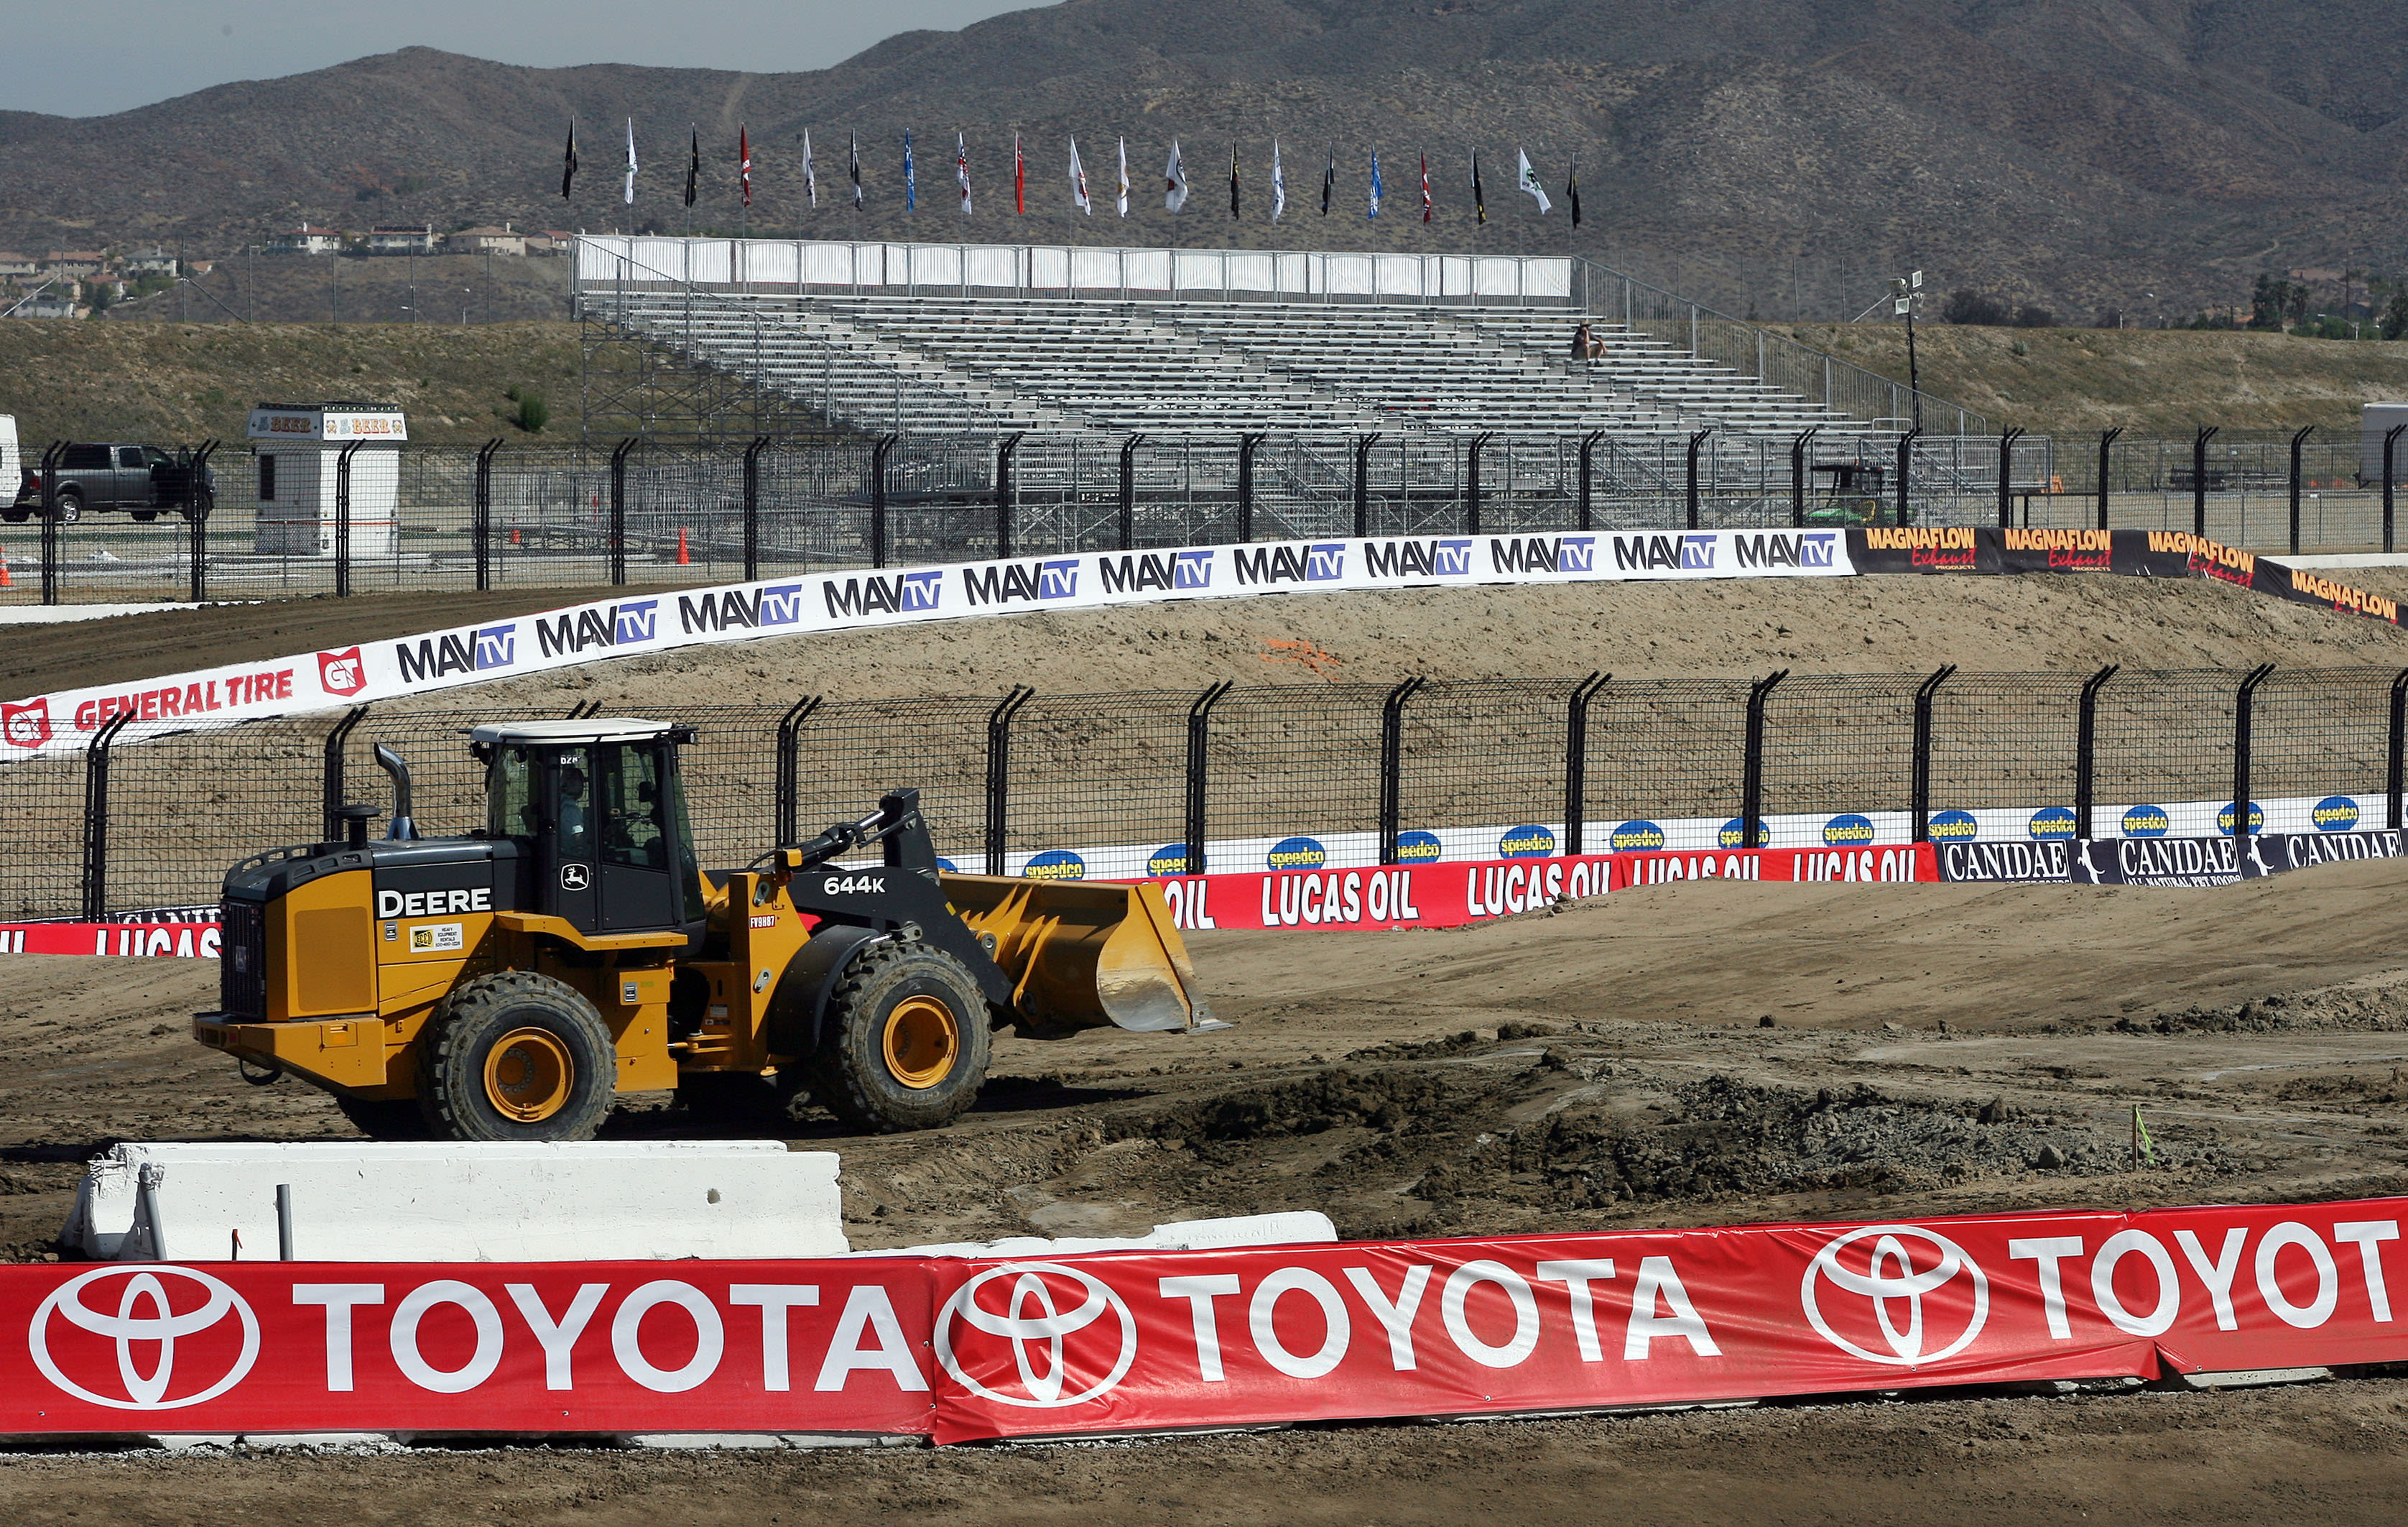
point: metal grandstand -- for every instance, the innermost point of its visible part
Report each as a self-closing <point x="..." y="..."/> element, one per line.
<point x="719" y="339"/>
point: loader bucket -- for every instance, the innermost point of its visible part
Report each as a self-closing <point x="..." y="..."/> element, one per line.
<point x="1081" y="954"/>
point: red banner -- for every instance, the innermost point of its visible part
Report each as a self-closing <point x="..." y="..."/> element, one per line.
<point x="188" y="939"/>
<point x="1449" y="895"/>
<point x="1146" y="1341"/>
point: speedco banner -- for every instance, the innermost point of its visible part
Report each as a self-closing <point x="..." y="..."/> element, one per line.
<point x="1451" y="895"/>
<point x="635" y="624"/>
<point x="958" y="1351"/>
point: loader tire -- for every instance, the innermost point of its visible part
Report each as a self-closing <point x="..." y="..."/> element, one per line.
<point x="516" y="1056"/>
<point x="384" y="1118"/>
<point x="906" y="1042"/>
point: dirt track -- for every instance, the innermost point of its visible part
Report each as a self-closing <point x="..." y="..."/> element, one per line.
<point x="1854" y="625"/>
<point x="1934" y="1050"/>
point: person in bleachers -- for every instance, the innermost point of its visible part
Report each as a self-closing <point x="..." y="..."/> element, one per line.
<point x="1588" y="345"/>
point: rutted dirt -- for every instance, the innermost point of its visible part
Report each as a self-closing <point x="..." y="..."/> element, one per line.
<point x="1931" y="1050"/>
<point x="1634" y="630"/>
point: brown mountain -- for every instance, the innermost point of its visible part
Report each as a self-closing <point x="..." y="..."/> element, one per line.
<point x="1780" y="155"/>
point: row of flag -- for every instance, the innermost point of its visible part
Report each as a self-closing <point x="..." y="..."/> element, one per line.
<point x="1176" y="185"/>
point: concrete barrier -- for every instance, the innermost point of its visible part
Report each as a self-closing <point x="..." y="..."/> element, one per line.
<point x="358" y="1201"/>
<point x="1298" y="1226"/>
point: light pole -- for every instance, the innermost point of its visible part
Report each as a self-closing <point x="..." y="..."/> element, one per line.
<point x="1906" y="292"/>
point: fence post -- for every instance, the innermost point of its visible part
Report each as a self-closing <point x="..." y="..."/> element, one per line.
<point x="480" y="520"/>
<point x="2007" y="438"/>
<point x="1199" y="753"/>
<point x="1246" y="444"/>
<point x="1697" y="500"/>
<point x="1363" y="445"/>
<point x="1003" y="504"/>
<point x="2243" y="704"/>
<point x="1127" y="537"/>
<point x="2085" y="749"/>
<point x="343" y="517"/>
<point x="2106" y="463"/>
<point x="878" y="499"/>
<point x="96" y="817"/>
<point x="999" y="768"/>
<point x="1919" y="786"/>
<point x="2399" y="762"/>
<point x="1586" y="497"/>
<point x="788" y="808"/>
<point x="1905" y="466"/>
<point x="1392" y="757"/>
<point x="200" y="501"/>
<point x="338" y="739"/>
<point x="50" y="458"/>
<point x="752" y="507"/>
<point x="1751" y="784"/>
<point x="2390" y="443"/>
<point x="1471" y="484"/>
<point x="2199" y="481"/>
<point x="1576" y="758"/>
<point x="1798" y="476"/>
<point x="619" y="509"/>
<point x="2298" y="448"/>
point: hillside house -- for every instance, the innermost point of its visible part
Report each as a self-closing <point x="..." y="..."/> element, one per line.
<point x="488" y="241"/>
<point x="306" y="240"/>
<point x="401" y="240"/>
<point x="75" y="262"/>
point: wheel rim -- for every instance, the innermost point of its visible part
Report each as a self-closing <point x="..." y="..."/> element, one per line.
<point x="923" y="1042"/>
<point x="528" y="1075"/>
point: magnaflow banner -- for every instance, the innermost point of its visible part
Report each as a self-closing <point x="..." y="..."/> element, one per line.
<point x="2159" y="861"/>
<point x="2144" y="554"/>
<point x="641" y="622"/>
<point x="967" y="1351"/>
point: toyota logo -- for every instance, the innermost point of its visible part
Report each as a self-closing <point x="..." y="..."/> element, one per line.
<point x="1890" y="1275"/>
<point x="1034" y="1322"/>
<point x="146" y="1313"/>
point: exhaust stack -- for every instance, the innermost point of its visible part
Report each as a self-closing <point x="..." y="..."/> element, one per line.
<point x="403" y="828"/>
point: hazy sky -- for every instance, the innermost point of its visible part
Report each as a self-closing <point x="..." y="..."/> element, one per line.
<point x="82" y="63"/>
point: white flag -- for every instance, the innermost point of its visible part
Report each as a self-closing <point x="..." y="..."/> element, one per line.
<point x="810" y="176"/>
<point x="1124" y="183"/>
<point x="1174" y="181"/>
<point x="1278" y="183"/>
<point x="1529" y="182"/>
<point x="630" y="193"/>
<point x="1079" y="182"/>
<point x="962" y="171"/>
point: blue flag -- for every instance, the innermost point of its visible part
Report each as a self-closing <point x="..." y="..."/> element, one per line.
<point x="911" y="184"/>
<point x="1375" y="183"/>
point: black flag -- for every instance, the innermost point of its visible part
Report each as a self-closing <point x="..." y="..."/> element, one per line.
<point x="694" y="167"/>
<point x="1478" y="202"/>
<point x="1233" y="181"/>
<point x="1571" y="190"/>
<point x="1328" y="180"/>
<point x="568" y="162"/>
<point x="853" y="168"/>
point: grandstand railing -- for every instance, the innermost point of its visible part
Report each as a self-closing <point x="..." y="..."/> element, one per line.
<point x="159" y="811"/>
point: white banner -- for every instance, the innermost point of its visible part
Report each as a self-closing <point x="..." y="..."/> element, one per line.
<point x="640" y="622"/>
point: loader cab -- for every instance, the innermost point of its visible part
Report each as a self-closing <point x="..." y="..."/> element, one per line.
<point x="598" y="810"/>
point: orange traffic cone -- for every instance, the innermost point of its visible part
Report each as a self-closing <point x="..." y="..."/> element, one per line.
<point x="514" y="537"/>
<point x="5" y="581"/>
<point x="683" y="560"/>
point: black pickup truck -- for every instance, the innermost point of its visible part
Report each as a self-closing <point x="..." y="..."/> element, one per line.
<point x="141" y="479"/>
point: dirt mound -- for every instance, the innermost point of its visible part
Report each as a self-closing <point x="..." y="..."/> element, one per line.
<point x="2377" y="1004"/>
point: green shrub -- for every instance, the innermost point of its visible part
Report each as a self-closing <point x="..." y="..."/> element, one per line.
<point x="532" y="415"/>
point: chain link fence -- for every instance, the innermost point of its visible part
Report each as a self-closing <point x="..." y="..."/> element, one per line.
<point x="1170" y="781"/>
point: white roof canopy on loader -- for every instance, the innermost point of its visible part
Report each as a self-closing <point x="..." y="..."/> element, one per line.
<point x="596" y="730"/>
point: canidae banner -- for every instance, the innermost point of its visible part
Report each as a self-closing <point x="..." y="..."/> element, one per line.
<point x="963" y="1350"/>
<point x="641" y="620"/>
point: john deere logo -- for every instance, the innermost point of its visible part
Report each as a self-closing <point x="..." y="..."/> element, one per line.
<point x="1955" y="827"/>
<point x="2145" y="821"/>
<point x="2335" y="813"/>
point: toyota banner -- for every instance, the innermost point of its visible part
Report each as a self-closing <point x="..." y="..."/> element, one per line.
<point x="961" y="1350"/>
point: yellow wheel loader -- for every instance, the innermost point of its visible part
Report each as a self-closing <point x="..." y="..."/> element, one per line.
<point x="510" y="984"/>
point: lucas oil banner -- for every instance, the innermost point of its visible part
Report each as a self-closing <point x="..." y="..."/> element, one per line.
<point x="637" y="623"/>
<point x="962" y="1350"/>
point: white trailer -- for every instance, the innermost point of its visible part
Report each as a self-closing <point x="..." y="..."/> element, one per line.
<point x="298" y="448"/>
<point x="2376" y="421"/>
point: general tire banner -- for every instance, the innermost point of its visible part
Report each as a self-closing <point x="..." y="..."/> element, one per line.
<point x="964" y="1351"/>
<point x="1452" y="894"/>
<point x="2144" y="553"/>
<point x="640" y="622"/>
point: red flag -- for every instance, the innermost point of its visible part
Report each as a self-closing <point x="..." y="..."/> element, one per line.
<point x="1426" y="196"/>
<point x="744" y="166"/>
<point x="1019" y="179"/>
